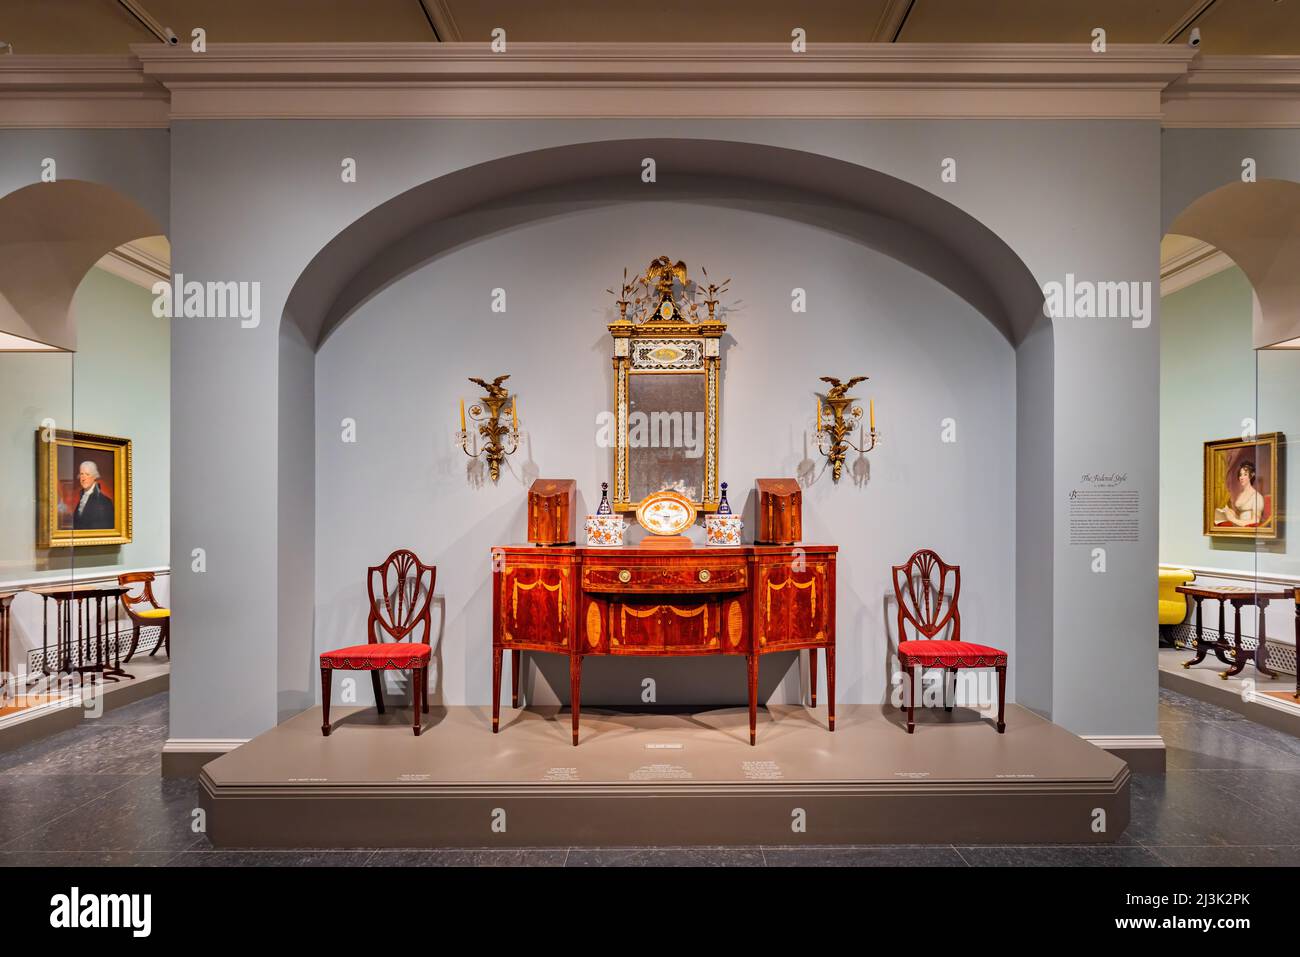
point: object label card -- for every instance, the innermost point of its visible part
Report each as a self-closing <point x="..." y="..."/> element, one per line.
<point x="560" y="774"/>
<point x="762" y="770"/>
<point x="660" y="772"/>
<point x="1104" y="510"/>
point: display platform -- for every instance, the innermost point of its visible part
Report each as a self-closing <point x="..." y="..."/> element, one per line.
<point x="662" y="779"/>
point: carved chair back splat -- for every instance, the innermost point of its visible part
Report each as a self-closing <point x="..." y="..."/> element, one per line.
<point x="920" y="585"/>
<point x="401" y="595"/>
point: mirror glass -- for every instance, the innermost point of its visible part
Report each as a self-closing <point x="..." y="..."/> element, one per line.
<point x="665" y="433"/>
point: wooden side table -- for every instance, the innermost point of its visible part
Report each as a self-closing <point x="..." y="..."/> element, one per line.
<point x="1237" y="596"/>
<point x="6" y="599"/>
<point x="82" y="614"/>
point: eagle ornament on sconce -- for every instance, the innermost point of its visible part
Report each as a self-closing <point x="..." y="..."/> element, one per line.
<point x="486" y="414"/>
<point x="838" y="419"/>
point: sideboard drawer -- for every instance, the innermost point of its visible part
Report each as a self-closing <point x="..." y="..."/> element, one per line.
<point x="640" y="577"/>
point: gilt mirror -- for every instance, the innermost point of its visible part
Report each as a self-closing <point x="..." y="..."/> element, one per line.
<point x="666" y="372"/>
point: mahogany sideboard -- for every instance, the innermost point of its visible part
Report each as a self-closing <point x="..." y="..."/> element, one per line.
<point x="635" y="600"/>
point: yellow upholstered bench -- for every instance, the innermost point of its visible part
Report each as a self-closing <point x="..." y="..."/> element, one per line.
<point x="1172" y="605"/>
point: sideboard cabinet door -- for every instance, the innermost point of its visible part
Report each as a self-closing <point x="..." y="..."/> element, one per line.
<point x="535" y="605"/>
<point x="793" y="605"/>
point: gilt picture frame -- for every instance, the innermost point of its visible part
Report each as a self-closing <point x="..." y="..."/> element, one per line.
<point x="1244" y="487"/>
<point x="84" y="494"/>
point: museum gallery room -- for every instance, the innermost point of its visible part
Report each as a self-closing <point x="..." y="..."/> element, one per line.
<point x="591" y="433"/>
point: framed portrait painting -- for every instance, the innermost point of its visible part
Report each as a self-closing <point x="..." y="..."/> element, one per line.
<point x="1243" y="487"/>
<point x="84" y="489"/>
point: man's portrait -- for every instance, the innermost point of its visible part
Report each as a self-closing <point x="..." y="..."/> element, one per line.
<point x="85" y="489"/>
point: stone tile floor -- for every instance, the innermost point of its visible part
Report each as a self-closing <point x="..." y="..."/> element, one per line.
<point x="92" y="796"/>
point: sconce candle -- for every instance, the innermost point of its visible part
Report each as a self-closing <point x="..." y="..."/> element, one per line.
<point x="462" y="415"/>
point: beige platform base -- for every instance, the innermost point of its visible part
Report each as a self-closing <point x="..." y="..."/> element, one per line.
<point x="662" y="779"/>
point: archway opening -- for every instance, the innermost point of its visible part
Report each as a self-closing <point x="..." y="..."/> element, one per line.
<point x="854" y="211"/>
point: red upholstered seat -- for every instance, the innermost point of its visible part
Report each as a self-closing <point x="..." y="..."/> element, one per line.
<point x="937" y="653"/>
<point x="398" y="655"/>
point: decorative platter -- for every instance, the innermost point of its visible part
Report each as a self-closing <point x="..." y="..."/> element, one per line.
<point x="666" y="513"/>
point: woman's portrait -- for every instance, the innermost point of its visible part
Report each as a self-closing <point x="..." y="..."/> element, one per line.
<point x="1242" y="487"/>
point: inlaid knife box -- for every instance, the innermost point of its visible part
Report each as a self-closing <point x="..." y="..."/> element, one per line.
<point x="780" y="512"/>
<point x="551" y="504"/>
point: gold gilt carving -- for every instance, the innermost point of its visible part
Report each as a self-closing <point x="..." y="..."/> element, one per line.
<point x="498" y="439"/>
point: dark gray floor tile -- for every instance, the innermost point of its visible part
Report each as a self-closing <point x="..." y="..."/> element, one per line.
<point x="1209" y="744"/>
<point x="470" y="857"/>
<point x="1264" y="856"/>
<point x="91" y="748"/>
<point x="148" y="814"/>
<point x="665" y="857"/>
<point x="1276" y="792"/>
<point x="919" y="855"/>
<point x="84" y="858"/>
<point x="151" y="712"/>
<point x="1074" y="855"/>
<point x="28" y="801"/>
<point x="270" y="859"/>
<point x="1181" y="707"/>
<point x="1191" y="808"/>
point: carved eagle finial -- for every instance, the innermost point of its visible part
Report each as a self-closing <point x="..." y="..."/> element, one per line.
<point x="838" y="390"/>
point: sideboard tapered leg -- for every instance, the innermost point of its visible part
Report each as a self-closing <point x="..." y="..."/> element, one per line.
<point x="830" y="683"/>
<point x="812" y="674"/>
<point x="753" y="699"/>
<point x="575" y="692"/>
<point x="496" y="689"/>
<point x="515" y="656"/>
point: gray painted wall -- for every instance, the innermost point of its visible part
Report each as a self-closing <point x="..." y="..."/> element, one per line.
<point x="1078" y="197"/>
<point x="398" y="365"/>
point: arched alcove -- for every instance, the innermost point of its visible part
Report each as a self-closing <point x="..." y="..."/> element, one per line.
<point x="896" y="219"/>
<point x="51" y="234"/>
<point x="1257" y="225"/>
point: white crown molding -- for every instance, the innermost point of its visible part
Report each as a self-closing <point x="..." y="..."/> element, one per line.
<point x="158" y="83"/>
<point x="858" y="80"/>
<point x="1199" y="262"/>
<point x="1236" y="92"/>
<point x="79" y="92"/>
<point x="134" y="264"/>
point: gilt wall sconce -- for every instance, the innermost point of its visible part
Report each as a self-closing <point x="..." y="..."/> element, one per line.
<point x="486" y="415"/>
<point x="838" y="419"/>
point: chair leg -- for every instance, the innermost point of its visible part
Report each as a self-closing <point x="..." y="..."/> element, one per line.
<point x="325" y="690"/>
<point x="377" y="682"/>
<point x="167" y="637"/>
<point x="135" y="640"/>
<point x="424" y="692"/>
<point x="911" y="703"/>
<point x="1002" y="699"/>
<point x="417" y="680"/>
<point x="946" y="705"/>
<point x="162" y="630"/>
